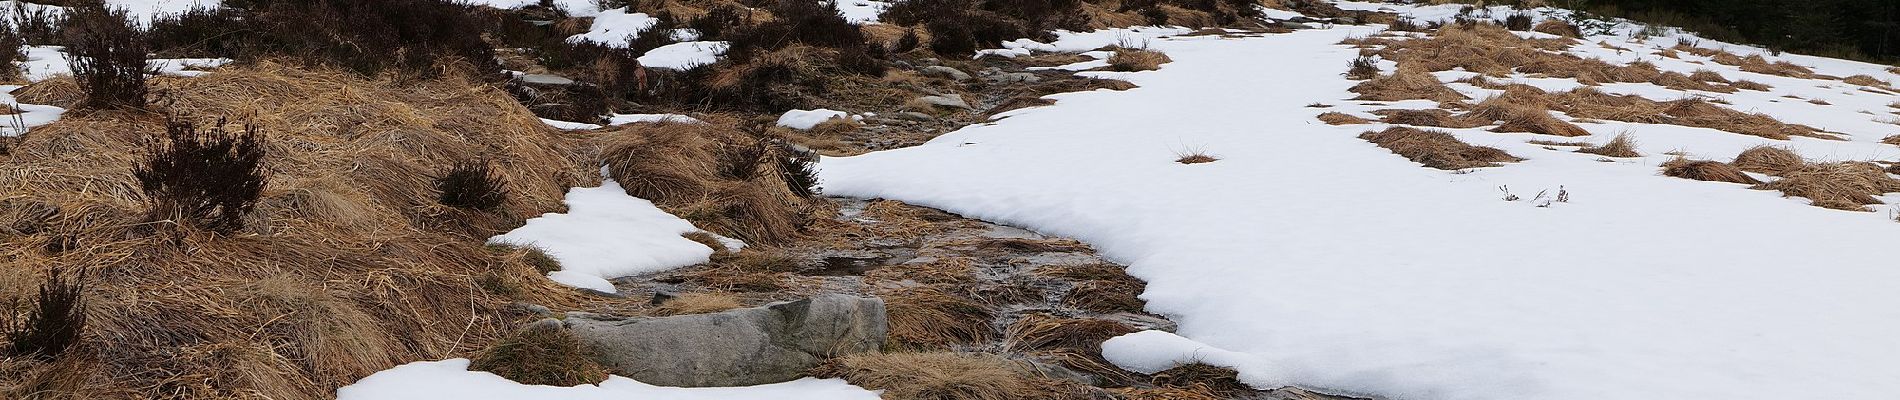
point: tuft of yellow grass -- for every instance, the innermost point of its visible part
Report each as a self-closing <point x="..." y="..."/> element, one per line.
<point x="1437" y="149"/>
<point x="1622" y="146"/>
<point x="1130" y="60"/>
<point x="1339" y="118"/>
<point x="698" y="303"/>
<point x="1765" y="159"/>
<point x="946" y="375"/>
<point x="1840" y="185"/>
<point x="541" y="353"/>
<point x="1703" y="170"/>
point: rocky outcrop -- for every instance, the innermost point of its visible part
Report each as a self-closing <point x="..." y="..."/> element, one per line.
<point x="748" y="346"/>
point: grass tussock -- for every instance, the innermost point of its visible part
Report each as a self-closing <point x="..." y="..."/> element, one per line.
<point x="698" y="303"/>
<point x="722" y="179"/>
<point x="1864" y="80"/>
<point x="1893" y="140"/>
<point x="1704" y="170"/>
<point x="1745" y="84"/>
<point x="1362" y="68"/>
<point x="1101" y="288"/>
<point x="1406" y="84"/>
<point x="345" y="265"/>
<point x="1339" y="118"/>
<point x="1221" y="381"/>
<point x="1622" y="146"/>
<point x="1770" y="160"/>
<point x="1131" y="60"/>
<point x="931" y="318"/>
<point x="543" y="353"/>
<point x="1437" y="149"/>
<point x="1558" y="27"/>
<point x="1427" y="117"/>
<point x="1839" y="185"/>
<point x="1195" y="157"/>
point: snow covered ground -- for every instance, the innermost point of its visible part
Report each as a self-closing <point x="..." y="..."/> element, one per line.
<point x="451" y="379"/>
<point x="1307" y="256"/>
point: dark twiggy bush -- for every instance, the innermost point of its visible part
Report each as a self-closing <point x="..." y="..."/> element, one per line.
<point x="107" y="57"/>
<point x="198" y="32"/>
<point x="797" y="165"/>
<point x="38" y="26"/>
<point x="1362" y="68"/>
<point x="1518" y="22"/>
<point x="370" y="36"/>
<point x="471" y="185"/>
<point x="55" y="321"/>
<point x="10" y="43"/>
<point x="208" y="179"/>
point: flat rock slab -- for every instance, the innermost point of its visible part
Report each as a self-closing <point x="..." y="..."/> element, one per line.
<point x="742" y="347"/>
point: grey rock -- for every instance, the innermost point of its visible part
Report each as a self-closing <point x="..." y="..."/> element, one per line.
<point x="1014" y="77"/>
<point x="743" y="347"/>
<point x="531" y="308"/>
<point x="950" y="101"/>
<point x="544" y="79"/>
<point x="914" y="116"/>
<point x="944" y="72"/>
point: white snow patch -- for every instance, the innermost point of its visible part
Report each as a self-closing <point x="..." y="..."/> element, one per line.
<point x="615" y="28"/>
<point x="451" y="379"/>
<point x="623" y="119"/>
<point x="806" y="119"/>
<point x="861" y="12"/>
<point x="1336" y="264"/>
<point x="1155" y="351"/>
<point x="568" y="125"/>
<point x="684" y="55"/>
<point x="30" y="116"/>
<point x="144" y="11"/>
<point x="607" y="234"/>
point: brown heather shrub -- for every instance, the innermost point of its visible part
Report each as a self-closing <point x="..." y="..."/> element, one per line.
<point x="1362" y="68"/>
<point x="1703" y="170"/>
<point x="542" y="353"/>
<point x="1621" y="146"/>
<point x="1839" y="185"/>
<point x="1437" y="149"/>
<point x="1768" y="160"/>
<point x="1131" y="60"/>
<point x="1339" y="118"/>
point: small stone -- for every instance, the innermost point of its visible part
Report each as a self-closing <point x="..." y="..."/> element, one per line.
<point x="951" y="101"/>
<point x="945" y="72"/>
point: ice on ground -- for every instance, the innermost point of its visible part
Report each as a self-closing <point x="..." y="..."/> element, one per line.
<point x="861" y="12"/>
<point x="806" y="119"/>
<point x="615" y="28"/>
<point x="1338" y="265"/>
<point x="451" y="379"/>
<point x="684" y="55"/>
<point x="607" y="234"/>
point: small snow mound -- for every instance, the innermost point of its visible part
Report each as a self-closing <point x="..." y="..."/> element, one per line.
<point x="623" y="119"/>
<point x="1149" y="352"/>
<point x="606" y="234"/>
<point x="806" y="119"/>
<point x="684" y="55"/>
<point x="615" y="28"/>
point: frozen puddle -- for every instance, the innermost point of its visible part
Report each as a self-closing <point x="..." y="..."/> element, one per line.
<point x="1309" y="257"/>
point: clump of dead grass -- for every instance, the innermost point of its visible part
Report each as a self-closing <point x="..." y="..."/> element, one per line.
<point x="1131" y="60"/>
<point x="710" y="174"/>
<point x="1339" y="118"/>
<point x="1406" y="84"/>
<point x="1100" y="288"/>
<point x="59" y="91"/>
<point x="1770" y="160"/>
<point x="1704" y="170"/>
<point x="1622" y="146"/>
<point x="1745" y="84"/>
<point x="1893" y="140"/>
<point x="1838" y="185"/>
<point x="1195" y="157"/>
<point x="1428" y="117"/>
<point x="927" y="317"/>
<point x="1864" y="80"/>
<point x="542" y="353"/>
<point x="1437" y="149"/>
<point x="1221" y="381"/>
<point x="1557" y="27"/>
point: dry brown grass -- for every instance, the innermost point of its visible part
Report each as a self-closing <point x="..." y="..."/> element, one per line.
<point x="1694" y="112"/>
<point x="1428" y="117"/>
<point x="1557" y="27"/>
<point x="1221" y="381"/>
<point x="1437" y="149"/>
<point x="1865" y="80"/>
<point x="1339" y="118"/>
<point x="709" y="174"/>
<point x="947" y="375"/>
<point x="698" y="303"/>
<point x="347" y="266"/>
<point x="1770" y="160"/>
<point x="1703" y="170"/>
<point x="1621" y="146"/>
<point x="1893" y="140"/>
<point x="927" y="317"/>
<point x="1839" y="185"/>
<point x="542" y="353"/>
<point x="1745" y="84"/>
<point x="1406" y="84"/>
<point x="1131" y="60"/>
<point x="1195" y="157"/>
<point x="59" y="91"/>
